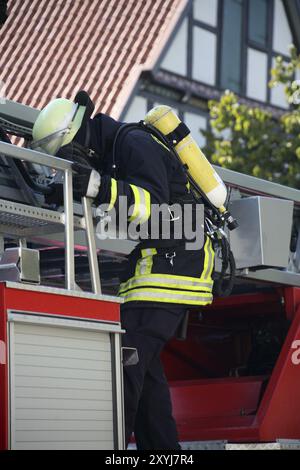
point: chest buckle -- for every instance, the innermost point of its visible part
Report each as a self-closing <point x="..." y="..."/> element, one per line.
<point x="170" y="257"/>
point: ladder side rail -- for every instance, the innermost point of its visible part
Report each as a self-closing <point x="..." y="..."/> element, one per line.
<point x="65" y="166"/>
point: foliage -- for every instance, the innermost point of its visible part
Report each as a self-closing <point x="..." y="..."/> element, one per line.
<point x="251" y="140"/>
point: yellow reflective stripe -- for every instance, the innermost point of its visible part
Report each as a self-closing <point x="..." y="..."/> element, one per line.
<point x="174" y="282"/>
<point x="175" y="276"/>
<point x="212" y="252"/>
<point x="144" y="264"/>
<point x="113" y="193"/>
<point x="137" y="202"/>
<point x="141" y="209"/>
<point x="163" y="295"/>
<point x="168" y="300"/>
<point x="208" y="260"/>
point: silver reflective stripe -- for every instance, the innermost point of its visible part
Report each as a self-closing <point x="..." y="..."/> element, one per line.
<point x="167" y="297"/>
<point x="165" y="282"/>
<point x="146" y="262"/>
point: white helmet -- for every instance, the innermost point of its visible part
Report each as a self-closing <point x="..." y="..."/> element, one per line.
<point x="57" y="125"/>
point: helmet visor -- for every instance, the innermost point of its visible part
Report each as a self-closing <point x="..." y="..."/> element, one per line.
<point x="53" y="142"/>
<point x="50" y="144"/>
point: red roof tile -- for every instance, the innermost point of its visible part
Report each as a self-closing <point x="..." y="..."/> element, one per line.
<point x="52" y="48"/>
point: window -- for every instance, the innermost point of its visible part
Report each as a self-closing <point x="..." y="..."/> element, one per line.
<point x="231" y="45"/>
<point x="258" y="15"/>
<point x="206" y="11"/>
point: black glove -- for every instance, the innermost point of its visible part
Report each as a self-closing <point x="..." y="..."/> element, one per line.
<point x="86" y="181"/>
<point x="56" y="196"/>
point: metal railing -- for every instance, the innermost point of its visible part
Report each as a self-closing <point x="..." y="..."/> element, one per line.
<point x="60" y="164"/>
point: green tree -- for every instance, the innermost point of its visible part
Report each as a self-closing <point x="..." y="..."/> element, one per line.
<point x="251" y="140"/>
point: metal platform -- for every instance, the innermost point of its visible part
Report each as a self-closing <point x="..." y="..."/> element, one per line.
<point x="280" y="444"/>
<point x="17" y="118"/>
<point x="26" y="221"/>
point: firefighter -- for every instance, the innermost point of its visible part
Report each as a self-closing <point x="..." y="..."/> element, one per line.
<point x="162" y="279"/>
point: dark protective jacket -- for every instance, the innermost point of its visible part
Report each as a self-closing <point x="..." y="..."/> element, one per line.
<point x="147" y="173"/>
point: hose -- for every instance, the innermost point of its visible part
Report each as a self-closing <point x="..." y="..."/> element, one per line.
<point x="24" y="173"/>
<point x="222" y="286"/>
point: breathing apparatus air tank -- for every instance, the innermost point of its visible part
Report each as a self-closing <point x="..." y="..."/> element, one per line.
<point x="200" y="172"/>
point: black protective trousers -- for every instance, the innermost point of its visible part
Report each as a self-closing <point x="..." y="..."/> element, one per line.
<point x="148" y="408"/>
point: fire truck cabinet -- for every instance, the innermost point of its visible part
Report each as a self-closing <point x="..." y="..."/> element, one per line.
<point x="60" y="369"/>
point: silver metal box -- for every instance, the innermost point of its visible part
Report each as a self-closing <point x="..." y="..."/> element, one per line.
<point x="20" y="265"/>
<point x="263" y="236"/>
